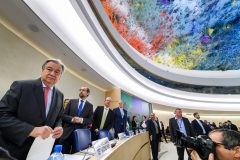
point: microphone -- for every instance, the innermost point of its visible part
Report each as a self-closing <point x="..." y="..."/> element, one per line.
<point x="89" y="145"/>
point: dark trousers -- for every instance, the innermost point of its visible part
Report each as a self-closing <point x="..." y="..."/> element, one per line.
<point x="118" y="129"/>
<point x="68" y="145"/>
<point x="154" y="147"/>
<point x="180" y="152"/>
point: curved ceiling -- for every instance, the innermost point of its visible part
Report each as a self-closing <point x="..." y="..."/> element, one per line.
<point x="69" y="22"/>
<point x="193" y="77"/>
<point x="186" y="34"/>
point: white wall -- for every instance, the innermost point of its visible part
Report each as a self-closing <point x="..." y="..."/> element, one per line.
<point x="21" y="61"/>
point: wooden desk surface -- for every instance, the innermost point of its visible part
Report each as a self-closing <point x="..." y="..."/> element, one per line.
<point x="133" y="148"/>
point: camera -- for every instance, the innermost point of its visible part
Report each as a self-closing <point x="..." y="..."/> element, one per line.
<point x="202" y="144"/>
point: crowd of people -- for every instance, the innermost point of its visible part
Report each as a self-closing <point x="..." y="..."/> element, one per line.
<point x="33" y="108"/>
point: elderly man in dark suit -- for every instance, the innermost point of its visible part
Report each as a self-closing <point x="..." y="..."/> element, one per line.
<point x="120" y="119"/>
<point x="78" y="114"/>
<point x="103" y="118"/>
<point x="198" y="126"/>
<point x="32" y="108"/>
<point x="183" y="125"/>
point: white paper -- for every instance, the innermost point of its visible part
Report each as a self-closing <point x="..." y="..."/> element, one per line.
<point x="41" y="148"/>
<point x="75" y="157"/>
<point x="144" y="125"/>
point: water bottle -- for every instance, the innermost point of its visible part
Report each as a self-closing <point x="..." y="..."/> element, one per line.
<point x="57" y="154"/>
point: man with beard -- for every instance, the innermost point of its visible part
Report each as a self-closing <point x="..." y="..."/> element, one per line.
<point x="78" y="114"/>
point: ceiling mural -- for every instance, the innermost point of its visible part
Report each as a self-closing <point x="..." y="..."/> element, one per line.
<point x="186" y="34"/>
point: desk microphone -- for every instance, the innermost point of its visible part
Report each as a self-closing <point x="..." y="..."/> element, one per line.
<point x="86" y="151"/>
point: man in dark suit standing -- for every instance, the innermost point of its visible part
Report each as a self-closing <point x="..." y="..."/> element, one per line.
<point x="183" y="125"/>
<point x="198" y="126"/>
<point x="120" y="119"/>
<point x="78" y="114"/>
<point x="32" y="108"/>
<point x="231" y="126"/>
<point x="154" y="134"/>
<point x="103" y="118"/>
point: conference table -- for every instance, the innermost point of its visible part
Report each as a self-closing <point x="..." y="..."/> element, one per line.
<point x="136" y="147"/>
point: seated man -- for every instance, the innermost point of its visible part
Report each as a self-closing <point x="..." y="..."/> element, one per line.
<point x="227" y="143"/>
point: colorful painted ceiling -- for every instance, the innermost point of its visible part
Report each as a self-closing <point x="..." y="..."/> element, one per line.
<point x="187" y="34"/>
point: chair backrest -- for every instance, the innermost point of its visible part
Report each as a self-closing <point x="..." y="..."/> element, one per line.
<point x="82" y="139"/>
<point x="102" y="133"/>
<point x="111" y="134"/>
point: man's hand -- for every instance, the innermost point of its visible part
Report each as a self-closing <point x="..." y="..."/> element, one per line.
<point x="195" y="156"/>
<point x="43" y="131"/>
<point x="57" y="132"/>
<point x="77" y="120"/>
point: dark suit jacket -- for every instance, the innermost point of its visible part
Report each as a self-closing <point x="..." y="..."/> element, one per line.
<point x="71" y="111"/>
<point x="21" y="109"/>
<point x="97" y="117"/>
<point x="118" y="120"/>
<point x="198" y="129"/>
<point x="152" y="130"/>
<point x="173" y="126"/>
<point x="233" y="127"/>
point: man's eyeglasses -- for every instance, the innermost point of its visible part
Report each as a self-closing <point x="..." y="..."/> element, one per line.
<point x="217" y="143"/>
<point x="221" y="144"/>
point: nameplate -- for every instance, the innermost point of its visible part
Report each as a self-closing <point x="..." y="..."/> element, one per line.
<point x="101" y="147"/>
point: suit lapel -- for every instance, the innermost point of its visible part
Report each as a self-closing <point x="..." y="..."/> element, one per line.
<point x="38" y="91"/>
<point x="74" y="107"/>
<point x="84" y="108"/>
<point x="176" y="124"/>
<point x="186" y="126"/>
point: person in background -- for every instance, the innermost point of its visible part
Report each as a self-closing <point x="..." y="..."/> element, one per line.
<point x="160" y="134"/>
<point x="167" y="131"/>
<point x="220" y="125"/>
<point x="231" y="126"/>
<point x="198" y="126"/>
<point x="183" y="125"/>
<point x="143" y="124"/>
<point x="134" y="124"/>
<point x="163" y="131"/>
<point x="227" y="145"/>
<point x="77" y="115"/>
<point x="103" y="118"/>
<point x="30" y="109"/>
<point x="154" y="135"/>
<point x="120" y="119"/>
<point x="214" y="125"/>
<point x="65" y="102"/>
<point x="225" y="124"/>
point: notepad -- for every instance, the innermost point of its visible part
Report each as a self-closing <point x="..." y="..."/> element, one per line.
<point x="41" y="148"/>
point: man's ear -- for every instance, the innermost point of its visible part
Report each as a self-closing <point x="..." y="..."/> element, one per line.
<point x="237" y="152"/>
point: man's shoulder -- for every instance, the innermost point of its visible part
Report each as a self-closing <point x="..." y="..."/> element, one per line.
<point x="27" y="82"/>
<point x="89" y="104"/>
<point x="194" y="121"/>
<point x="184" y="118"/>
<point x="99" y="108"/>
<point x="115" y="109"/>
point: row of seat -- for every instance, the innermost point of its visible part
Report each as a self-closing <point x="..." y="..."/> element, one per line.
<point x="83" y="139"/>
